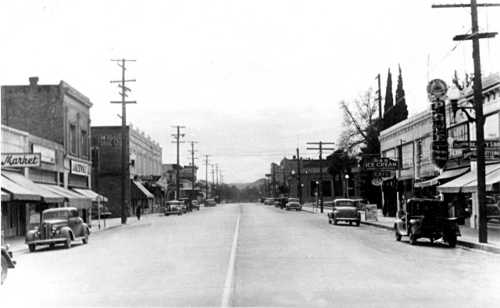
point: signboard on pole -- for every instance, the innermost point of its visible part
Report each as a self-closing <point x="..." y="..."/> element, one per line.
<point x="436" y="90"/>
<point x="488" y="144"/>
<point x="378" y="164"/>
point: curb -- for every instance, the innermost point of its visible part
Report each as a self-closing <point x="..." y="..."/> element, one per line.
<point x="478" y="246"/>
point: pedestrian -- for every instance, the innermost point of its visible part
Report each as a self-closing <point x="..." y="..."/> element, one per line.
<point x="138" y="212"/>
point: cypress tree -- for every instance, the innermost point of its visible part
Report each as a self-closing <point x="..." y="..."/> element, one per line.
<point x="401" y="107"/>
<point x="388" y="93"/>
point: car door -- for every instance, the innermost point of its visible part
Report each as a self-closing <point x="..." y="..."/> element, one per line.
<point x="75" y="223"/>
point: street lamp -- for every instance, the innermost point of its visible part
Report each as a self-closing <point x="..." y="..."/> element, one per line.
<point x="346" y="185"/>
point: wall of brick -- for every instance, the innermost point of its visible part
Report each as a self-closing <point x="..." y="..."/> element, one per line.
<point x="110" y="186"/>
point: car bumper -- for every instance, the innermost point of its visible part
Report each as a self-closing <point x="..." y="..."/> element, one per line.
<point x="47" y="241"/>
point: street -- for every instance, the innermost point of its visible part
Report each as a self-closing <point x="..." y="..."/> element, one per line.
<point x="252" y="255"/>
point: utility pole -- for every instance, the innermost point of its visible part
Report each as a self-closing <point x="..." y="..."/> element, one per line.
<point x="125" y="172"/>
<point x="321" y="149"/>
<point x="177" y="138"/>
<point x="206" y="176"/>
<point x="213" y="179"/>
<point x="192" y="172"/>
<point x="475" y="36"/>
<point x="379" y="98"/>
<point x="299" y="184"/>
<point x="217" y="180"/>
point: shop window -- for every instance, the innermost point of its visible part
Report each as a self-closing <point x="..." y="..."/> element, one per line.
<point x="72" y="138"/>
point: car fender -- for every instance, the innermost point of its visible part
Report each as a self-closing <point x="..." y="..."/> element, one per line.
<point x="86" y="229"/>
<point x="30" y="236"/>
<point x="67" y="231"/>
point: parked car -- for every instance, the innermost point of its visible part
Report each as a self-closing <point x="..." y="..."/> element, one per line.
<point x="293" y="204"/>
<point x="195" y="205"/>
<point x="7" y="260"/>
<point x="105" y="212"/>
<point x="426" y="218"/>
<point x="269" y="201"/>
<point x="360" y="203"/>
<point x="344" y="210"/>
<point x="210" y="202"/>
<point x="174" y="207"/>
<point x="59" y="226"/>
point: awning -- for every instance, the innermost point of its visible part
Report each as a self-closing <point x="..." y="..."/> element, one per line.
<point x="143" y="190"/>
<point x="448" y="174"/>
<point x="467" y="183"/>
<point x="32" y="187"/>
<point x="18" y="192"/>
<point x="73" y="198"/>
<point x="5" y="196"/>
<point x="90" y="194"/>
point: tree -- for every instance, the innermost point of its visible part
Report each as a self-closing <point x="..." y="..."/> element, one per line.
<point x="359" y="122"/>
<point x="401" y="112"/>
<point x="389" y="101"/>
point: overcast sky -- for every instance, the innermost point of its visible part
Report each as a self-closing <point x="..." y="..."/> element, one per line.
<point x="251" y="80"/>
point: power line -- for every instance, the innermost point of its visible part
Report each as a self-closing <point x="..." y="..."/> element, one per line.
<point x="321" y="149"/>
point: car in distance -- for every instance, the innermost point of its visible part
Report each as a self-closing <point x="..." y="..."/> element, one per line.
<point x="174" y="207"/>
<point x="268" y="201"/>
<point x="210" y="202"/>
<point x="293" y="204"/>
<point x="59" y="226"/>
<point x="195" y="205"/>
<point x="344" y="210"/>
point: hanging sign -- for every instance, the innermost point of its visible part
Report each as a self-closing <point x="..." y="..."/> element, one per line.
<point x="436" y="91"/>
<point x="377" y="164"/>
<point x="21" y="160"/>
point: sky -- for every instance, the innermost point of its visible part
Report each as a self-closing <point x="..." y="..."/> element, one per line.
<point x="250" y="80"/>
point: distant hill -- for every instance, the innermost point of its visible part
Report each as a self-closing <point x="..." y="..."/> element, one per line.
<point x="255" y="184"/>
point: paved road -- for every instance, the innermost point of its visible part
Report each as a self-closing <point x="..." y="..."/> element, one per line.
<point x="252" y="255"/>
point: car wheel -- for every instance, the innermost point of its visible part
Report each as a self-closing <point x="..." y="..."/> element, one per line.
<point x="330" y="221"/>
<point x="452" y="240"/>
<point x="4" y="268"/>
<point x="31" y="247"/>
<point x="67" y="243"/>
<point x="335" y="221"/>
<point x="357" y="223"/>
<point x="413" y="239"/>
<point x="397" y="235"/>
<point x="85" y="239"/>
<point x="51" y="245"/>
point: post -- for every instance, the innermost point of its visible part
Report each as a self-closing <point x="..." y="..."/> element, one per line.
<point x="177" y="176"/>
<point x="206" y="176"/>
<point x="299" y="184"/>
<point x="320" y="188"/>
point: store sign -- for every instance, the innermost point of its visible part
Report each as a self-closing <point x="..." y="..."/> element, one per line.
<point x="489" y="154"/>
<point x="48" y="155"/>
<point x="436" y="91"/>
<point x="21" y="160"/>
<point x="79" y="168"/>
<point x="383" y="163"/>
<point x="488" y="144"/>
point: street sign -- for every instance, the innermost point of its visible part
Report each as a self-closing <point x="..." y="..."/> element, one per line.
<point x="377" y="164"/>
<point x="488" y="144"/>
<point x="382" y="174"/>
<point x="489" y="154"/>
<point x="377" y="181"/>
<point x="437" y="88"/>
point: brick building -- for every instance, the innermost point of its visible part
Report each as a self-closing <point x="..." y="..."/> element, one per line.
<point x="144" y="168"/>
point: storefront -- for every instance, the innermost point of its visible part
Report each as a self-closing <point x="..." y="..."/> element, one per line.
<point x="140" y="196"/>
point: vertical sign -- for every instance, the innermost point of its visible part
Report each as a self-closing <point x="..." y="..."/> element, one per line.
<point x="436" y="91"/>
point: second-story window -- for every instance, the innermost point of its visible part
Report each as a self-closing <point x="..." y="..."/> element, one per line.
<point x="72" y="138"/>
<point x="85" y="143"/>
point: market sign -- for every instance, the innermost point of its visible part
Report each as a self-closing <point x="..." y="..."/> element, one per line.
<point x="488" y="144"/>
<point x="377" y="164"/>
<point x="48" y="155"/>
<point x="436" y="91"/>
<point x="79" y="168"/>
<point x="21" y="160"/>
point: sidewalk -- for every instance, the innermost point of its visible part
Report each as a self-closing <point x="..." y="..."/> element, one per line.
<point x="18" y="247"/>
<point x="469" y="237"/>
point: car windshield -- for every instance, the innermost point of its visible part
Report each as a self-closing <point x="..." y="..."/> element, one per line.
<point x="55" y="215"/>
<point x="344" y="203"/>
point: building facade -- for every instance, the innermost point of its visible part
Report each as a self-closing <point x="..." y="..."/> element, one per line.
<point x="144" y="162"/>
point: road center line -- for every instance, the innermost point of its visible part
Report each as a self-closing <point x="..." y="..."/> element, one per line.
<point x="228" y="285"/>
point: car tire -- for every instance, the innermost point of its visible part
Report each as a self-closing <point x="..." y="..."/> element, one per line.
<point x="85" y="239"/>
<point x="330" y="221"/>
<point x="5" y="268"/>
<point x="397" y="235"/>
<point x="413" y="239"/>
<point x="357" y="223"/>
<point x="452" y="240"/>
<point x="335" y="222"/>
<point x="67" y="243"/>
<point x="31" y="247"/>
<point x="51" y="245"/>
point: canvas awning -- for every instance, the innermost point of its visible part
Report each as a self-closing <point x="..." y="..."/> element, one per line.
<point x="5" y="196"/>
<point x="446" y="175"/>
<point x="90" y="194"/>
<point x="17" y="192"/>
<point x="467" y="183"/>
<point x="31" y="187"/>
<point x="143" y="190"/>
<point x="73" y="198"/>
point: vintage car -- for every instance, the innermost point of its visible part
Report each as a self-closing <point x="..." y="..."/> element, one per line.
<point x="59" y="226"/>
<point x="293" y="204"/>
<point x="268" y="201"/>
<point x="210" y="202"/>
<point x="426" y="218"/>
<point x="7" y="260"/>
<point x="174" y="207"/>
<point x="195" y="205"/>
<point x="344" y="210"/>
